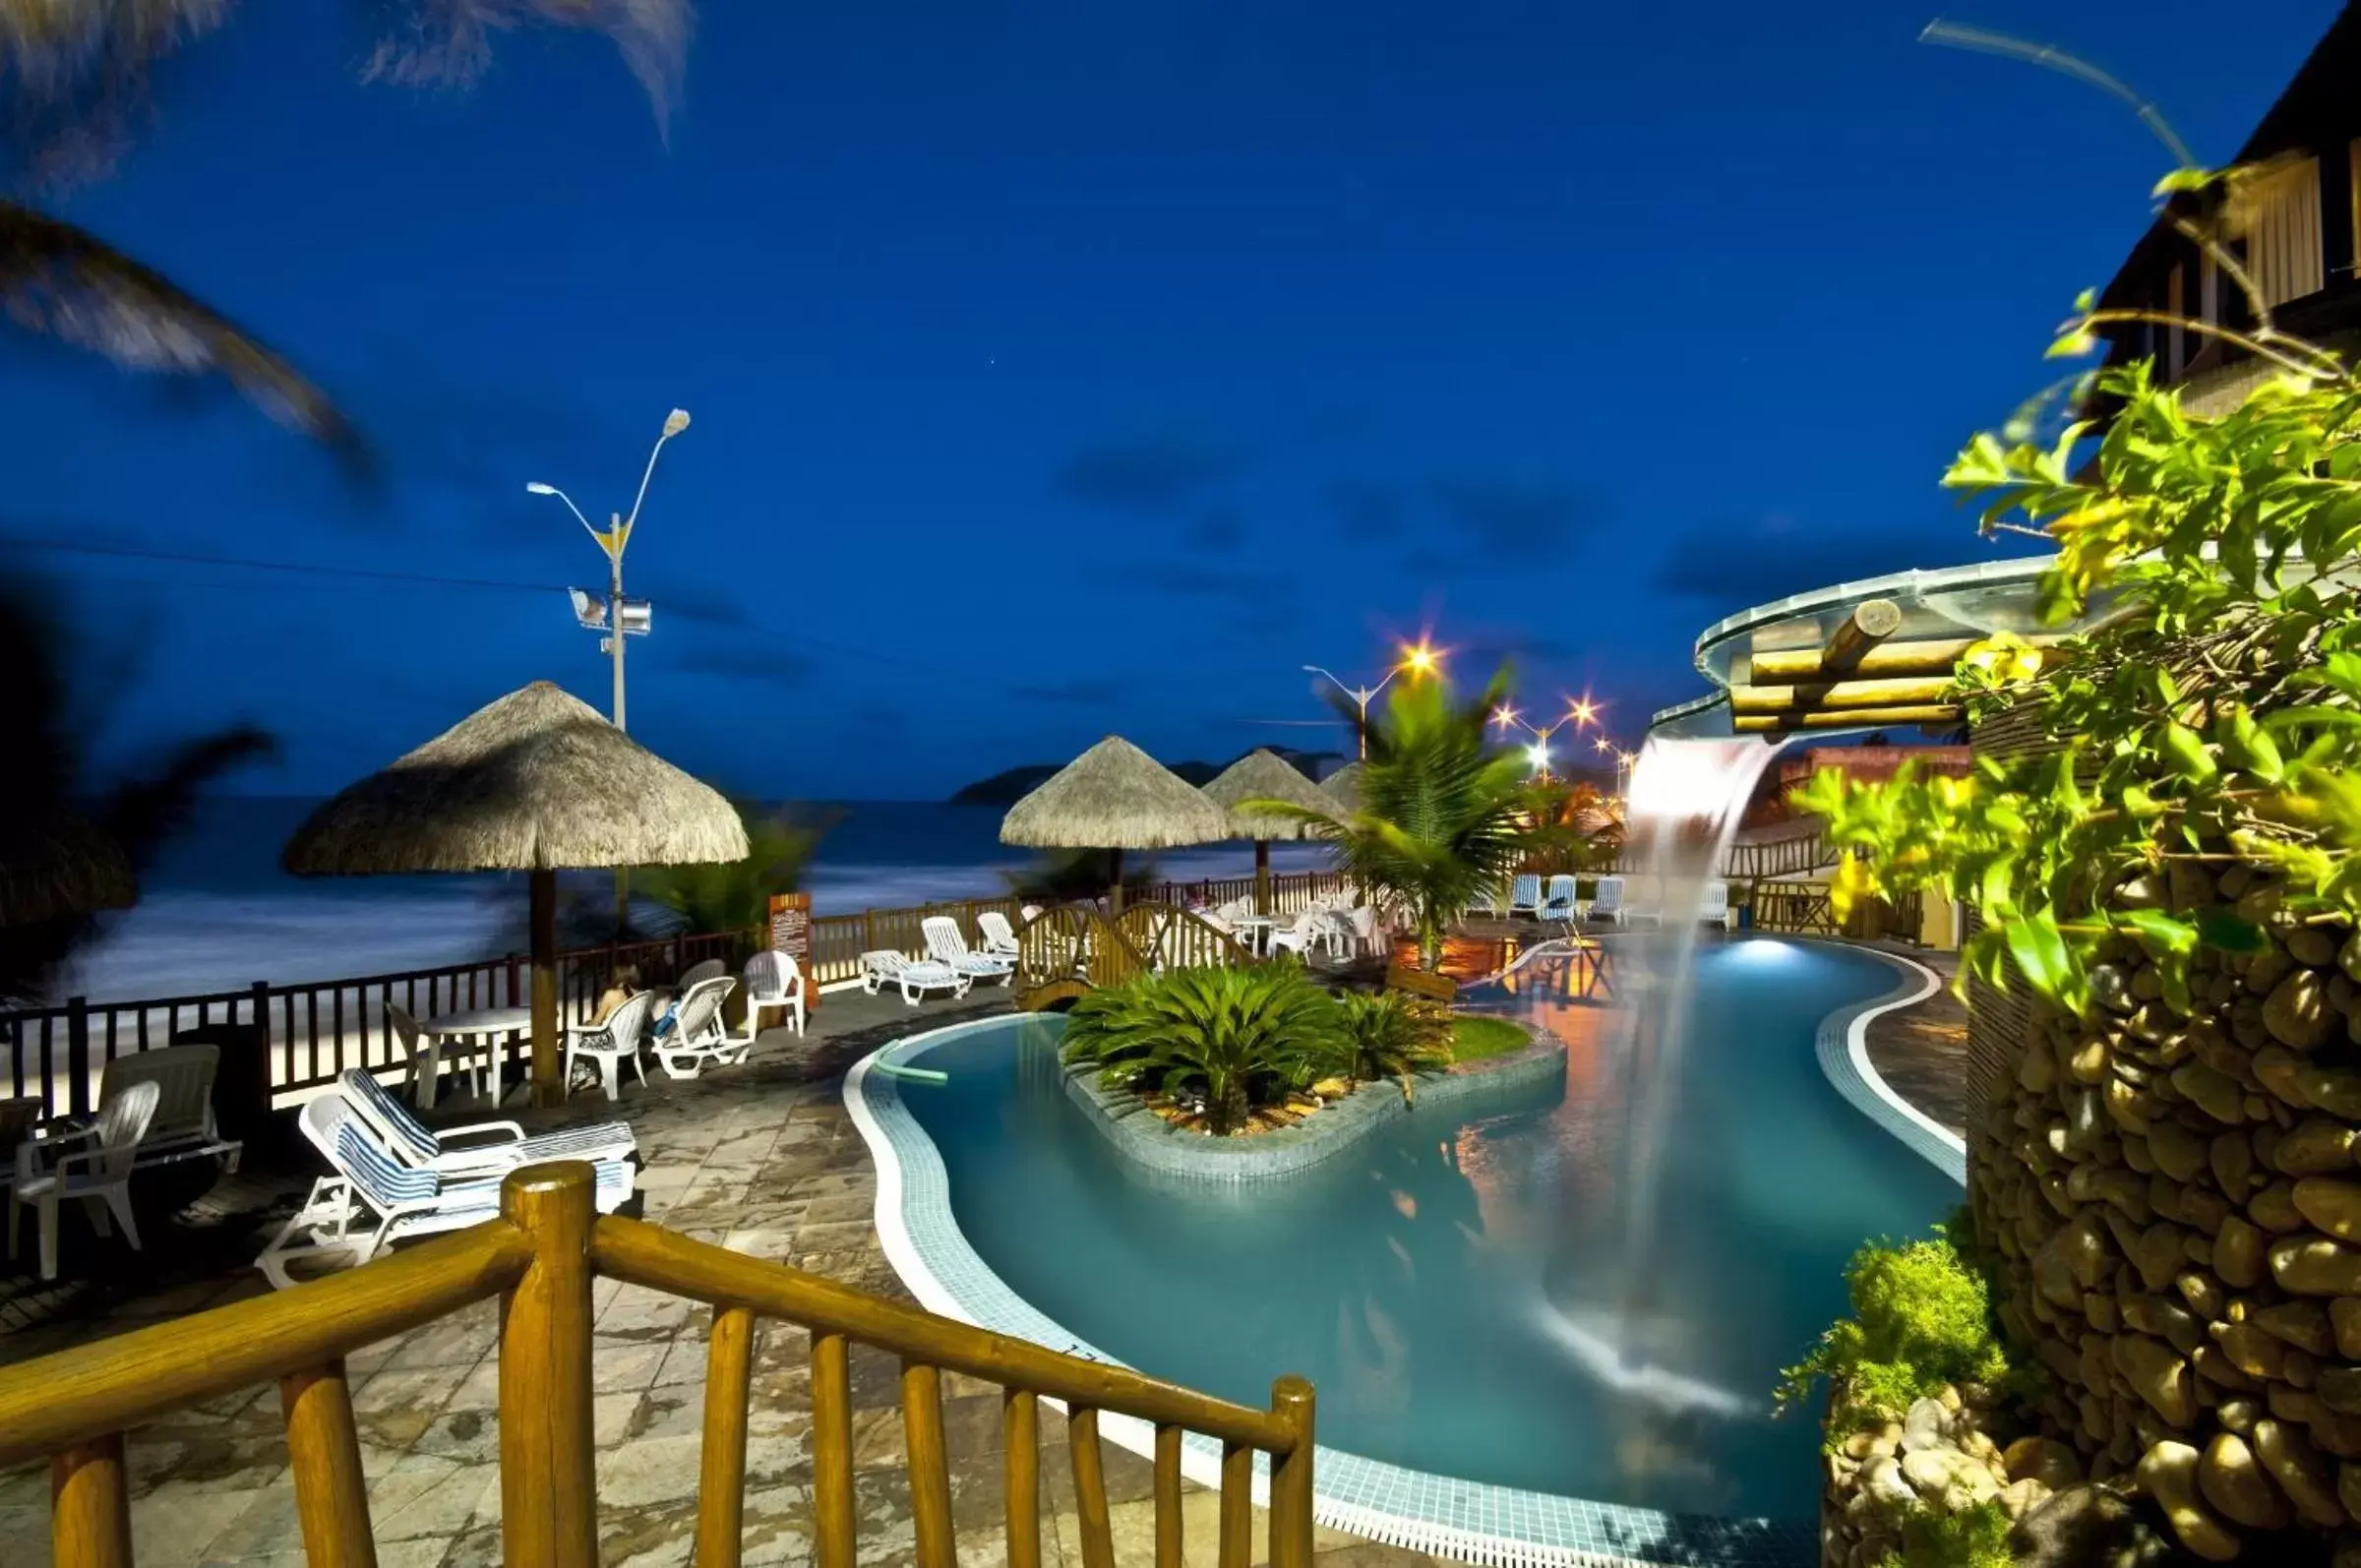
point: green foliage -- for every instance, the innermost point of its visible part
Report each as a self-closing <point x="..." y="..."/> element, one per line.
<point x="1443" y="813"/>
<point x="1240" y="1037"/>
<point x="1575" y="829"/>
<point x="1475" y="1038"/>
<point x="1977" y="1536"/>
<point x="1922" y="1318"/>
<point x="735" y="895"/>
<point x="2211" y="715"/>
<point x="1065" y="875"/>
<point x="1391" y="1035"/>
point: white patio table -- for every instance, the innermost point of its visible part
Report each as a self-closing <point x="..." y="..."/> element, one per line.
<point x="483" y="1027"/>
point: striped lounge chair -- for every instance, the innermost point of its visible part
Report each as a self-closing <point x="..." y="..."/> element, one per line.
<point x="413" y="1143"/>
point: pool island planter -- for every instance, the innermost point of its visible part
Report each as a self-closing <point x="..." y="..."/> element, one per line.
<point x="1142" y="1136"/>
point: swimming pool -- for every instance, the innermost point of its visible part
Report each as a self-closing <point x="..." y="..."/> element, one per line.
<point x="1457" y="1286"/>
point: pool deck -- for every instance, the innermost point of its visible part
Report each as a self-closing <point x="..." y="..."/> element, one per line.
<point x="1921" y="1052"/>
<point x="763" y="1158"/>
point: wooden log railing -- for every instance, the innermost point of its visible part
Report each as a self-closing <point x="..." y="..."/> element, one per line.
<point x="312" y="1031"/>
<point x="541" y="1258"/>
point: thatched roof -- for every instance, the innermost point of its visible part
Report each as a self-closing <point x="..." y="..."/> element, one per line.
<point x="1115" y="795"/>
<point x="537" y="781"/>
<point x="58" y="866"/>
<point x="1345" y="785"/>
<point x="1262" y="776"/>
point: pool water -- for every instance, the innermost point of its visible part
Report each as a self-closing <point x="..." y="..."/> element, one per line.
<point x="1459" y="1286"/>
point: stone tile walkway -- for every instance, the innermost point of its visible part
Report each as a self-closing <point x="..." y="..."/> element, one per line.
<point x="763" y="1159"/>
<point x="1923" y="1051"/>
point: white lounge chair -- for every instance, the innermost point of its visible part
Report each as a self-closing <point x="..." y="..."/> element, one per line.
<point x="698" y="1038"/>
<point x="1607" y="903"/>
<point x="773" y="980"/>
<point x="998" y="935"/>
<point x="98" y="1173"/>
<point x="1713" y="905"/>
<point x="945" y="945"/>
<point x="610" y="1044"/>
<point x="1485" y="902"/>
<point x="914" y="976"/>
<point x="1561" y="904"/>
<point x="1525" y="896"/>
<point x="413" y="1143"/>
<point x="372" y="1200"/>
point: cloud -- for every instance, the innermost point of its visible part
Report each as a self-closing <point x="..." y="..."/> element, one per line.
<point x="1146" y="473"/>
<point x="750" y="658"/>
<point x="1364" y="511"/>
<point x="1505" y="516"/>
<point x="1222" y="527"/>
<point x="1077" y="693"/>
<point x="1737" y="564"/>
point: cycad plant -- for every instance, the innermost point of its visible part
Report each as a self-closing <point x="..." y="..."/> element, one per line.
<point x="1443" y="813"/>
<point x="1391" y="1035"/>
<point x="1240" y="1037"/>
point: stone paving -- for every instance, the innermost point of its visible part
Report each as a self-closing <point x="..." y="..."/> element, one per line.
<point x="762" y="1159"/>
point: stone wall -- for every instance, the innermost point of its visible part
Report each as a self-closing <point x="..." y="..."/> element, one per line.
<point x="1944" y="1456"/>
<point x="2175" y="1209"/>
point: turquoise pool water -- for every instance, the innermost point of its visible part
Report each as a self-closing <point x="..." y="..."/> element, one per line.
<point x="1460" y="1285"/>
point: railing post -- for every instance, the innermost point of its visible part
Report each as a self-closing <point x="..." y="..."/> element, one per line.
<point x="323" y="1453"/>
<point x="78" y="1056"/>
<point x="261" y="1109"/>
<point x="548" y="1491"/>
<point x="90" y="1517"/>
<point x="512" y="985"/>
<point x="1291" y="1475"/>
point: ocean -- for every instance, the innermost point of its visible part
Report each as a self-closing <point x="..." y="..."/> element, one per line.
<point x="218" y="914"/>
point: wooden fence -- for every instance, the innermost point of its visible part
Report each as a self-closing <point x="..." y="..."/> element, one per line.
<point x="314" y="1030"/>
<point x="542" y="1258"/>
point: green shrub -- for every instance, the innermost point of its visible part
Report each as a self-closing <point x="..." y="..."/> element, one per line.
<point x="1972" y="1537"/>
<point x="1390" y="1035"/>
<point x="1922" y="1317"/>
<point x="1240" y="1037"/>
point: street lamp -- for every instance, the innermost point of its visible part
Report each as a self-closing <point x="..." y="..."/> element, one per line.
<point x="1417" y="660"/>
<point x="618" y="617"/>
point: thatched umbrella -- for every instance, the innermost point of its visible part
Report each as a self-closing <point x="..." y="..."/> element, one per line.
<point x="1115" y="797"/>
<point x="536" y="782"/>
<point x="1345" y="785"/>
<point x="61" y="866"/>
<point x="1263" y="776"/>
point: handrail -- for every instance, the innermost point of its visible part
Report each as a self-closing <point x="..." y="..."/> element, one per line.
<point x="666" y="1260"/>
<point x="73" y="1396"/>
<point x="541" y="1256"/>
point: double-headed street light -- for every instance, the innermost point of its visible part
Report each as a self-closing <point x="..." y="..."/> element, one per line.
<point x="1580" y="711"/>
<point x="1415" y="660"/>
<point x="619" y="618"/>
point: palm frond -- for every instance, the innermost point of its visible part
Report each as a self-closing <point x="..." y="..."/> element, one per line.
<point x="68" y="283"/>
<point x="449" y="42"/>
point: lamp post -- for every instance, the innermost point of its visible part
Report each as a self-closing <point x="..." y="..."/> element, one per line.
<point x="618" y="617"/>
<point x="1415" y="661"/>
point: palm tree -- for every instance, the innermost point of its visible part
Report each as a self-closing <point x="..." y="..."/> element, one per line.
<point x="1443" y="813"/>
<point x="48" y="782"/>
<point x="78" y="78"/>
<point x="737" y="895"/>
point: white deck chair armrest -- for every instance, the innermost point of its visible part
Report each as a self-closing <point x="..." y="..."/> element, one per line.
<point x="512" y="1131"/>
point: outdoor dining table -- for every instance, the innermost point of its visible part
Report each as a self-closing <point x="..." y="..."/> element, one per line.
<point x="1256" y="931"/>
<point x="485" y="1027"/>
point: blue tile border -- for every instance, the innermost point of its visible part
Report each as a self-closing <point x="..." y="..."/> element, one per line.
<point x="1471" y="1521"/>
<point x="1843" y="1050"/>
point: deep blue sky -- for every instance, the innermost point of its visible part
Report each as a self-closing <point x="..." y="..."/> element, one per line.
<point x="1066" y="369"/>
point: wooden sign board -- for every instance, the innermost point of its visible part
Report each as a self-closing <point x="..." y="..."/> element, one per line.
<point x="791" y="933"/>
<point x="1418" y="983"/>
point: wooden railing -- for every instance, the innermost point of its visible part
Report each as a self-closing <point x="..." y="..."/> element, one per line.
<point x="540" y="1257"/>
<point x="1794" y="855"/>
<point x="312" y="1031"/>
<point x="1168" y="936"/>
<point x="1806" y="908"/>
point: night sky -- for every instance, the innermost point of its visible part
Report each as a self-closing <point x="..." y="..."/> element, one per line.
<point x="1060" y="370"/>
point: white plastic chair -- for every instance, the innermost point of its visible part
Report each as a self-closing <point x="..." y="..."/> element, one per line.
<point x="1485" y="902"/>
<point x="1525" y="896"/>
<point x="1608" y="902"/>
<point x="945" y="945"/>
<point x="773" y="980"/>
<point x="708" y="969"/>
<point x="1561" y="904"/>
<point x="1365" y="930"/>
<point x="1302" y="937"/>
<point x="998" y="935"/>
<point x="1713" y="905"/>
<point x="413" y="1143"/>
<point x="183" y="1127"/>
<point x="100" y="1176"/>
<point x="698" y="1038"/>
<point x="611" y="1043"/>
<point x="372" y="1201"/>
